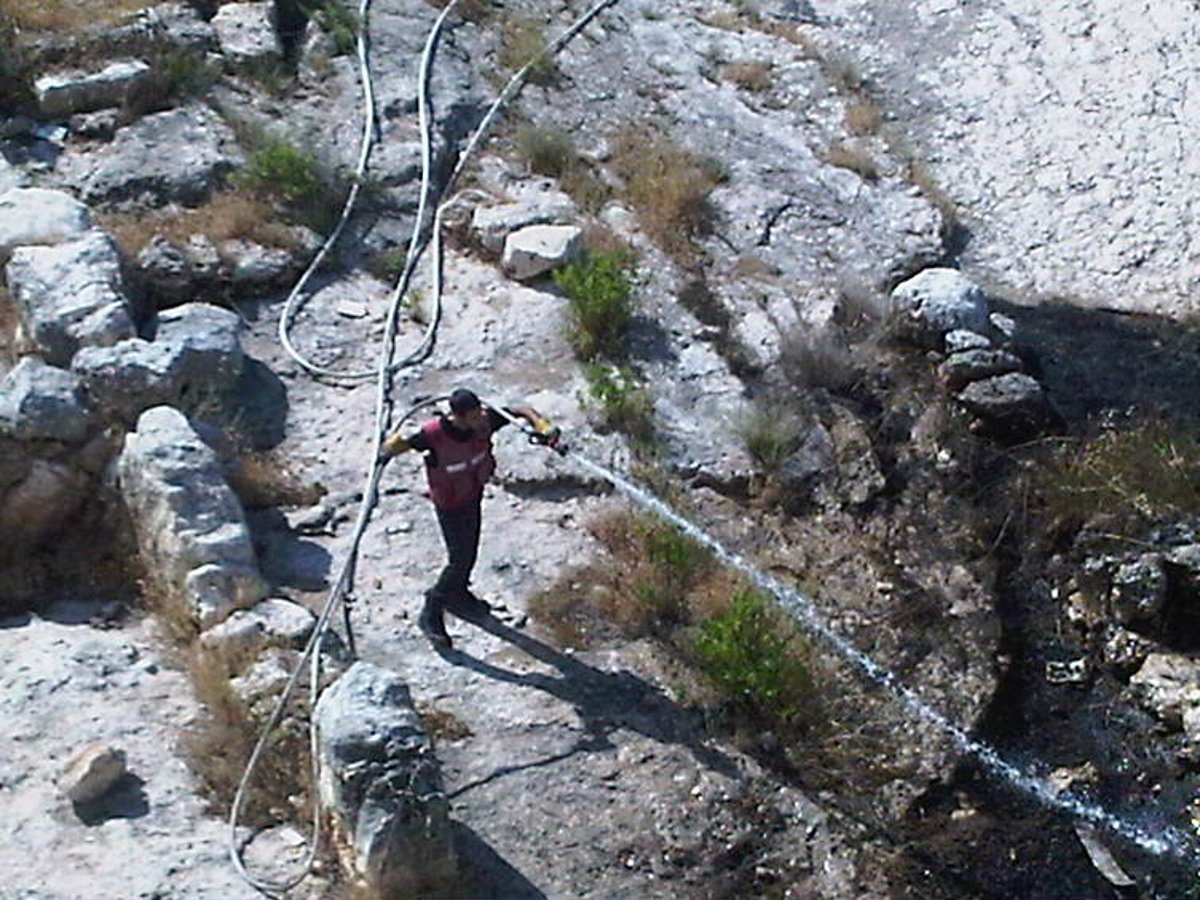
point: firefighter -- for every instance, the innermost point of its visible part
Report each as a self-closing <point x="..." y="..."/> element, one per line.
<point x="458" y="463"/>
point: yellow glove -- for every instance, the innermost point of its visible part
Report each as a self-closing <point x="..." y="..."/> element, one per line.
<point x="393" y="445"/>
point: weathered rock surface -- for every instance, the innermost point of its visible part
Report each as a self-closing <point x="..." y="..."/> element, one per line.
<point x="176" y="156"/>
<point x="1073" y="116"/>
<point x="383" y="782"/>
<point x="63" y="93"/>
<point x="40" y="402"/>
<point x="70" y="295"/>
<point x="190" y="528"/>
<point x="39" y="216"/>
<point x="92" y="772"/>
<point x="937" y="301"/>
<point x="246" y="31"/>
<point x="537" y="249"/>
<point x="193" y="361"/>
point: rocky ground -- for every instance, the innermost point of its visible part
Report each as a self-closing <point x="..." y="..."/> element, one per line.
<point x="588" y="773"/>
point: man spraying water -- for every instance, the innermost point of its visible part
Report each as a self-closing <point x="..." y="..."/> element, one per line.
<point x="458" y="463"/>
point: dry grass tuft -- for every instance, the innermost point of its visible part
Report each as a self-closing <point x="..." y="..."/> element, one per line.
<point x="263" y="479"/>
<point x="523" y="40"/>
<point x="218" y="747"/>
<point x="847" y="156"/>
<point x="863" y="117"/>
<point x="751" y="76"/>
<point x="228" y="215"/>
<point x="67" y="15"/>
<point x="442" y="725"/>
<point x="10" y="324"/>
<point x="668" y="186"/>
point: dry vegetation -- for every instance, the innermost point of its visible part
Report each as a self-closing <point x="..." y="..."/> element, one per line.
<point x="751" y="76"/>
<point x="218" y="746"/>
<point x="264" y="479"/>
<point x="228" y="215"/>
<point x="668" y="187"/>
<point x="9" y="325"/>
<point x="66" y="15"/>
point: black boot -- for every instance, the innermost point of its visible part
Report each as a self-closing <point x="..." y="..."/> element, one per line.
<point x="467" y="606"/>
<point x="432" y="624"/>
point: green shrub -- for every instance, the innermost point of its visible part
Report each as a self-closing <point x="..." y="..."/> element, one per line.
<point x="281" y="170"/>
<point x="623" y="403"/>
<point x="339" y="21"/>
<point x="599" y="304"/>
<point x="757" y="661"/>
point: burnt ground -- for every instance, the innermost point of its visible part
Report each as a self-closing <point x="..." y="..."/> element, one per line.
<point x="1100" y="369"/>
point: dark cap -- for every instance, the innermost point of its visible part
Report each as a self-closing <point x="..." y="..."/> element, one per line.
<point x="462" y="400"/>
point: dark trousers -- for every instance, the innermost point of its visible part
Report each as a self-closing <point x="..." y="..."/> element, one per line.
<point x="460" y="533"/>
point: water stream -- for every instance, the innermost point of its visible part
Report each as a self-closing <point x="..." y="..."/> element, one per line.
<point x="1164" y="841"/>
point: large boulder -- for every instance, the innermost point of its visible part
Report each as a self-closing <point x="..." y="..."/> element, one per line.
<point x="40" y="402"/>
<point x="195" y="359"/>
<point x="246" y="31"/>
<point x="70" y="295"/>
<point x="63" y="93"/>
<point x="936" y="301"/>
<point x="39" y="216"/>
<point x="190" y="528"/>
<point x="177" y="156"/>
<point x="383" y="784"/>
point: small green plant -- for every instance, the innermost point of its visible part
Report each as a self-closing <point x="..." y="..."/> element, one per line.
<point x="753" y="656"/>
<point x="623" y="402"/>
<point x="338" y="20"/>
<point x="770" y="437"/>
<point x="280" y="170"/>
<point x="599" y="304"/>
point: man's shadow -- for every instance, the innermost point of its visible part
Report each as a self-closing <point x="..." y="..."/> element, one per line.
<point x="604" y="701"/>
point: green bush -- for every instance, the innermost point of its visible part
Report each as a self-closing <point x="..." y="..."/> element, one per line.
<point x="599" y="304"/>
<point x="756" y="660"/>
<point x="623" y="403"/>
<point x="338" y="20"/>
<point x="280" y="170"/>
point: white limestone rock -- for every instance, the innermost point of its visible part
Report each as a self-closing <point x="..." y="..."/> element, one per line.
<point x="63" y="93"/>
<point x="92" y="772"/>
<point x="538" y="249"/>
<point x="39" y="216"/>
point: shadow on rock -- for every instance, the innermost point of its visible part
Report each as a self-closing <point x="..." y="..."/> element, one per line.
<point x="485" y="875"/>
<point x="1093" y="362"/>
<point x="604" y="701"/>
<point x="126" y="800"/>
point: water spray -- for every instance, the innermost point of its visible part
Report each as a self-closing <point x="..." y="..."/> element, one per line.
<point x="1166" y="840"/>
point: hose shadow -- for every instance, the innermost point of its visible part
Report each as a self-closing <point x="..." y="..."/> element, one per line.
<point x="604" y="701"/>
